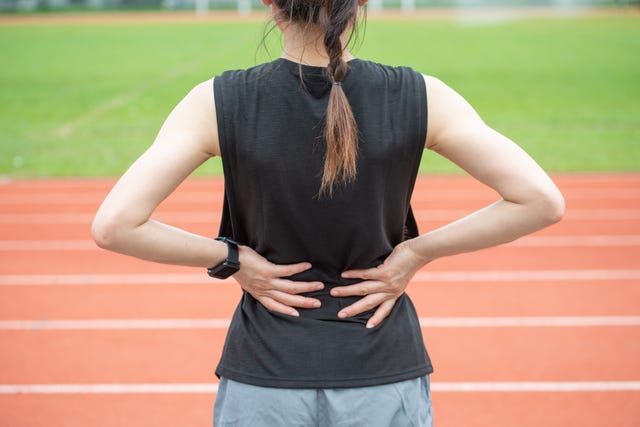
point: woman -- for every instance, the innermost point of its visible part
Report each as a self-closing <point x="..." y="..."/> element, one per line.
<point x="320" y="153"/>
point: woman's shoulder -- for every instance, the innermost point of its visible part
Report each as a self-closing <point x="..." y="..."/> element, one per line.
<point x="255" y="71"/>
<point x="381" y="67"/>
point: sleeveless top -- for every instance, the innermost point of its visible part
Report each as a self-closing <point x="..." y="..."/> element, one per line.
<point x="270" y="127"/>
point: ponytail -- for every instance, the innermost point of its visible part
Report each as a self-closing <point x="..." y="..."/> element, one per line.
<point x="341" y="131"/>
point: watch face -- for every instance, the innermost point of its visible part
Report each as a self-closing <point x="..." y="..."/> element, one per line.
<point x="223" y="271"/>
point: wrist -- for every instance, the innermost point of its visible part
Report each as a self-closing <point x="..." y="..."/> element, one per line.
<point x="418" y="251"/>
<point x="230" y="265"/>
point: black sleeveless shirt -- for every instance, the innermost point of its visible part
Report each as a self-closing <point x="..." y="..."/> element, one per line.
<point x="270" y="127"/>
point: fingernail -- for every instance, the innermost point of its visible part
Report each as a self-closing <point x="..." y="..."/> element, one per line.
<point x="320" y="286"/>
<point x="317" y="304"/>
<point x="342" y="315"/>
<point x="370" y="325"/>
<point x="334" y="293"/>
<point x="295" y="313"/>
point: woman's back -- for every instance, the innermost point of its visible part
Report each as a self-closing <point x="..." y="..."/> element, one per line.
<point x="270" y="132"/>
<point x="270" y="125"/>
<point x="318" y="182"/>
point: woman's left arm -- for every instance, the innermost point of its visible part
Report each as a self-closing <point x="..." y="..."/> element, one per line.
<point x="123" y="222"/>
<point x="529" y="201"/>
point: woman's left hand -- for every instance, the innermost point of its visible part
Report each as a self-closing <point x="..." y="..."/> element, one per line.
<point x="381" y="285"/>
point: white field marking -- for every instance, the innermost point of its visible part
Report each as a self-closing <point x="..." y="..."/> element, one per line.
<point x="533" y="322"/>
<point x="104" y="279"/>
<point x="424" y="277"/>
<point x="526" y="275"/>
<point x="215" y="196"/>
<point x="108" y="388"/>
<point x="208" y="388"/>
<point x="425" y="322"/>
<point x="53" y="198"/>
<point x="530" y="241"/>
<point x="483" y="194"/>
<point x="530" y="386"/>
<point x="47" y="245"/>
<point x="205" y="198"/>
<point x="109" y="324"/>
<point x="213" y="216"/>
<point x="125" y="97"/>
<point x="571" y="214"/>
<point x="210" y="218"/>
<point x="578" y="241"/>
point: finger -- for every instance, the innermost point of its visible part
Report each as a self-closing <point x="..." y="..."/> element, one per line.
<point x="365" y="304"/>
<point x="366" y="274"/>
<point x="275" y="306"/>
<point x="359" y="289"/>
<point x="381" y="313"/>
<point x="294" y="300"/>
<point x="292" y="287"/>
<point x="286" y="270"/>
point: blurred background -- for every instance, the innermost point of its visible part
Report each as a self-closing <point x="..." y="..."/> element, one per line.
<point x="84" y="91"/>
<point x="247" y="5"/>
<point x="541" y="332"/>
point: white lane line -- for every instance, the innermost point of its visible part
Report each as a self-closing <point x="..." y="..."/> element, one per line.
<point x="86" y="218"/>
<point x="110" y="324"/>
<point x="47" y="245"/>
<point x="205" y="198"/>
<point x="218" y="323"/>
<point x="107" y="388"/>
<point x="421" y="276"/>
<point x="103" y="279"/>
<point x="518" y="322"/>
<point x="526" y="275"/>
<point x="577" y="241"/>
<point x="53" y="198"/>
<point x="484" y="194"/>
<point x="207" y="217"/>
<point x="530" y="386"/>
<point x="208" y="388"/>
<point x="528" y="242"/>
<point x="570" y="215"/>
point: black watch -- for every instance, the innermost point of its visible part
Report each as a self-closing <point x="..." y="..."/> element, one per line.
<point x="229" y="266"/>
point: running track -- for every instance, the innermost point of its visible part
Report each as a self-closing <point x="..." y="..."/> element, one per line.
<point x="541" y="332"/>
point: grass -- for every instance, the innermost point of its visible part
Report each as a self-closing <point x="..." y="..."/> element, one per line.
<point x="87" y="100"/>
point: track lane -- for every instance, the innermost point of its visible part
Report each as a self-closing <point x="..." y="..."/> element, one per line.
<point x="82" y="231"/>
<point x="584" y="409"/>
<point x="130" y="410"/>
<point x="189" y="355"/>
<point x="498" y="258"/>
<point x="218" y="299"/>
<point x="598" y="205"/>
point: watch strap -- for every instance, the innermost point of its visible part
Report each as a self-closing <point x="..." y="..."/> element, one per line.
<point x="229" y="266"/>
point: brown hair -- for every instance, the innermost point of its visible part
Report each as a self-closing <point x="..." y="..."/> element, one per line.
<point x="341" y="132"/>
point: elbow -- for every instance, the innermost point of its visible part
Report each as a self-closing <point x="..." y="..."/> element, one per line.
<point x="101" y="233"/>
<point x="551" y="207"/>
<point x="105" y="231"/>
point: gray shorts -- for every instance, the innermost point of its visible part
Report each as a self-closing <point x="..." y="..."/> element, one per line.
<point x="402" y="404"/>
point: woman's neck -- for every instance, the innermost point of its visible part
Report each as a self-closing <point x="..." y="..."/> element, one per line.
<point x="307" y="47"/>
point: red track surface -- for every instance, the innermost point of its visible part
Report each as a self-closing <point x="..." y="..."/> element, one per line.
<point x="585" y="269"/>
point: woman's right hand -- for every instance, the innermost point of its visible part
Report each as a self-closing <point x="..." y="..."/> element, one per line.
<point x="263" y="280"/>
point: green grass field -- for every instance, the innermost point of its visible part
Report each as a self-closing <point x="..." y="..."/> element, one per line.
<point x="86" y="100"/>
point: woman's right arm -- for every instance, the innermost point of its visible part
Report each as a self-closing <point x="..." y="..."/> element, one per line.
<point x="528" y="198"/>
<point x="528" y="201"/>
